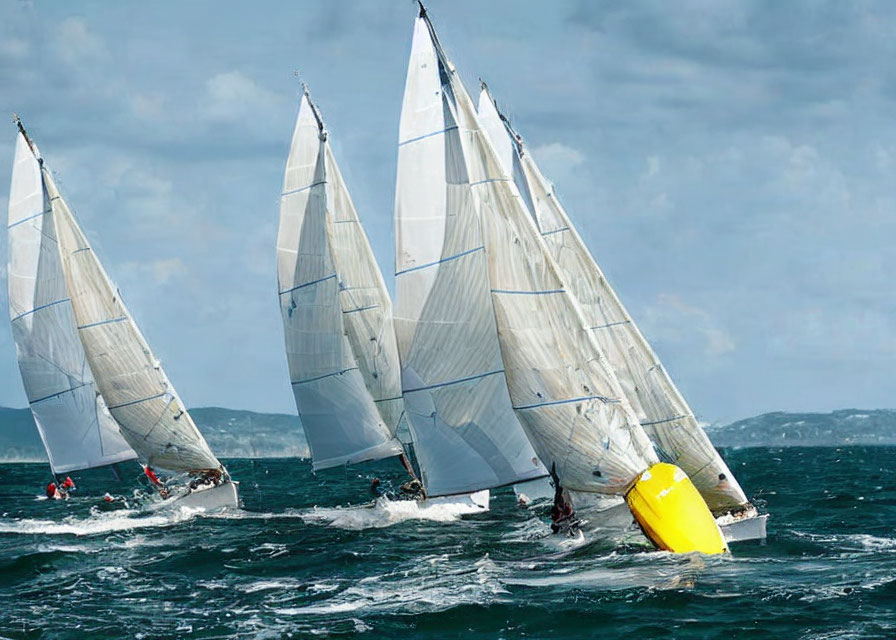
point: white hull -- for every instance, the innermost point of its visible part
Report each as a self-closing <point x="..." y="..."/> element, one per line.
<point x="224" y="496"/>
<point x="476" y="502"/>
<point x="743" y="529"/>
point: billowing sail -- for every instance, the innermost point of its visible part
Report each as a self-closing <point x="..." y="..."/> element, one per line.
<point x="337" y="316"/>
<point x="660" y="408"/>
<point x="77" y="431"/>
<point x="139" y="396"/>
<point x="466" y="434"/>
<point x="566" y="396"/>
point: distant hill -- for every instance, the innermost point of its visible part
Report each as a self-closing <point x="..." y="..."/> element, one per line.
<point x="230" y="433"/>
<point x="240" y="434"/>
<point x="838" y="428"/>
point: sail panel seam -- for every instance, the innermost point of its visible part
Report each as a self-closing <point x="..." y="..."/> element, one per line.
<point x="448" y="259"/>
<point x="127" y="404"/>
<point x="609" y="324"/>
<point x="451" y="382"/>
<point x="672" y="419"/>
<point x="31" y="217"/>
<point x="43" y="306"/>
<point x="308" y="284"/>
<point x="553" y="402"/>
<point x="305" y="188"/>
<point x="528" y="293"/>
<point x="59" y="393"/>
<point x="473" y="184"/>
<point x="357" y="309"/>
<point x="96" y="324"/>
<point x="326" y="375"/>
<point x="427" y="135"/>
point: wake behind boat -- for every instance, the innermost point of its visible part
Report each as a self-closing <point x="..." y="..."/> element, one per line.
<point x="107" y="386"/>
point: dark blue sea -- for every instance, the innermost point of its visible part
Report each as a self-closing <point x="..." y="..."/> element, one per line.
<point x="296" y="562"/>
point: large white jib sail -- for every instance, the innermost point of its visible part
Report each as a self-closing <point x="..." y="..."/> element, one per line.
<point x="76" y="429"/>
<point x="660" y="407"/>
<point x="337" y="315"/>
<point x="466" y="434"/>
<point x="138" y="394"/>
<point x="563" y="391"/>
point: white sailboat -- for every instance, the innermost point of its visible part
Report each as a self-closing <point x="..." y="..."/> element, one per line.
<point x="138" y="395"/>
<point x="562" y="388"/>
<point x="337" y="316"/>
<point x="77" y="430"/>
<point x="661" y="409"/>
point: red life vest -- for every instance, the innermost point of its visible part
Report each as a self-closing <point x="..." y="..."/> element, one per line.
<point x="51" y="490"/>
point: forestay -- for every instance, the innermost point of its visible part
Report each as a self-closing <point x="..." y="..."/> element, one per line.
<point x="660" y="407"/>
<point x="465" y="432"/>
<point x="139" y="396"/>
<point x="565" y="395"/>
<point x="77" y="431"/>
<point x="340" y="344"/>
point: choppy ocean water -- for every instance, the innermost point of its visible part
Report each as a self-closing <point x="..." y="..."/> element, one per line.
<point x="296" y="563"/>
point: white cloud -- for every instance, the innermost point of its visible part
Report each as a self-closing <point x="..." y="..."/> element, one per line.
<point x="558" y="160"/>
<point x="76" y="43"/>
<point x="234" y="96"/>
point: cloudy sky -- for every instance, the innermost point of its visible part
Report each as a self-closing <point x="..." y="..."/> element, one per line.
<point x="730" y="164"/>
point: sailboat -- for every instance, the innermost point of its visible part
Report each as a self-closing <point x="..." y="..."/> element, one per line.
<point x="340" y="343"/>
<point x="76" y="428"/>
<point x="561" y="387"/>
<point x="139" y="398"/>
<point x="660" y="407"/>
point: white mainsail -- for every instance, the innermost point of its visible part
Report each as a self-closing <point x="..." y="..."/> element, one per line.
<point x="466" y="435"/>
<point x="337" y="316"/>
<point x="566" y="396"/>
<point x="660" y="407"/>
<point x="138" y="394"/>
<point x="76" y="429"/>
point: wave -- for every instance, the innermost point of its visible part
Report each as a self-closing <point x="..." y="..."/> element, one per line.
<point x="98" y="523"/>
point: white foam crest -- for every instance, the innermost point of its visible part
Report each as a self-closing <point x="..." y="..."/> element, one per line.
<point x="436" y="583"/>
<point x="97" y="524"/>
<point x="385" y="513"/>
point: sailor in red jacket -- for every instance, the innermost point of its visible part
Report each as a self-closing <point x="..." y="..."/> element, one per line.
<point x="154" y="479"/>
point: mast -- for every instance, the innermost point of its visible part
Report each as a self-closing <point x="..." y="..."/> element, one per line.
<point x="74" y="425"/>
<point x="657" y="401"/>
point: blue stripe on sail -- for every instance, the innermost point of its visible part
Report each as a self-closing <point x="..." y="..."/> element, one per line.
<point x="451" y="382"/>
<point x="61" y="393"/>
<point x="448" y="259"/>
<point x="300" y="189"/>
<point x="547" y="233"/>
<point x="553" y="402"/>
<point x="473" y="184"/>
<point x="326" y="375"/>
<point x="426" y="135"/>
<point x="128" y="404"/>
<point x="388" y="399"/>
<point x="673" y="419"/>
<point x="80" y="250"/>
<point x="611" y="324"/>
<point x="43" y="306"/>
<point x="528" y="293"/>
<point x="308" y="284"/>
<point x="96" y="324"/>
<point x="357" y="309"/>
<point x="31" y="217"/>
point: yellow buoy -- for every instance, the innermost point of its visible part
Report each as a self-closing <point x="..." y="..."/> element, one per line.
<point x="672" y="512"/>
